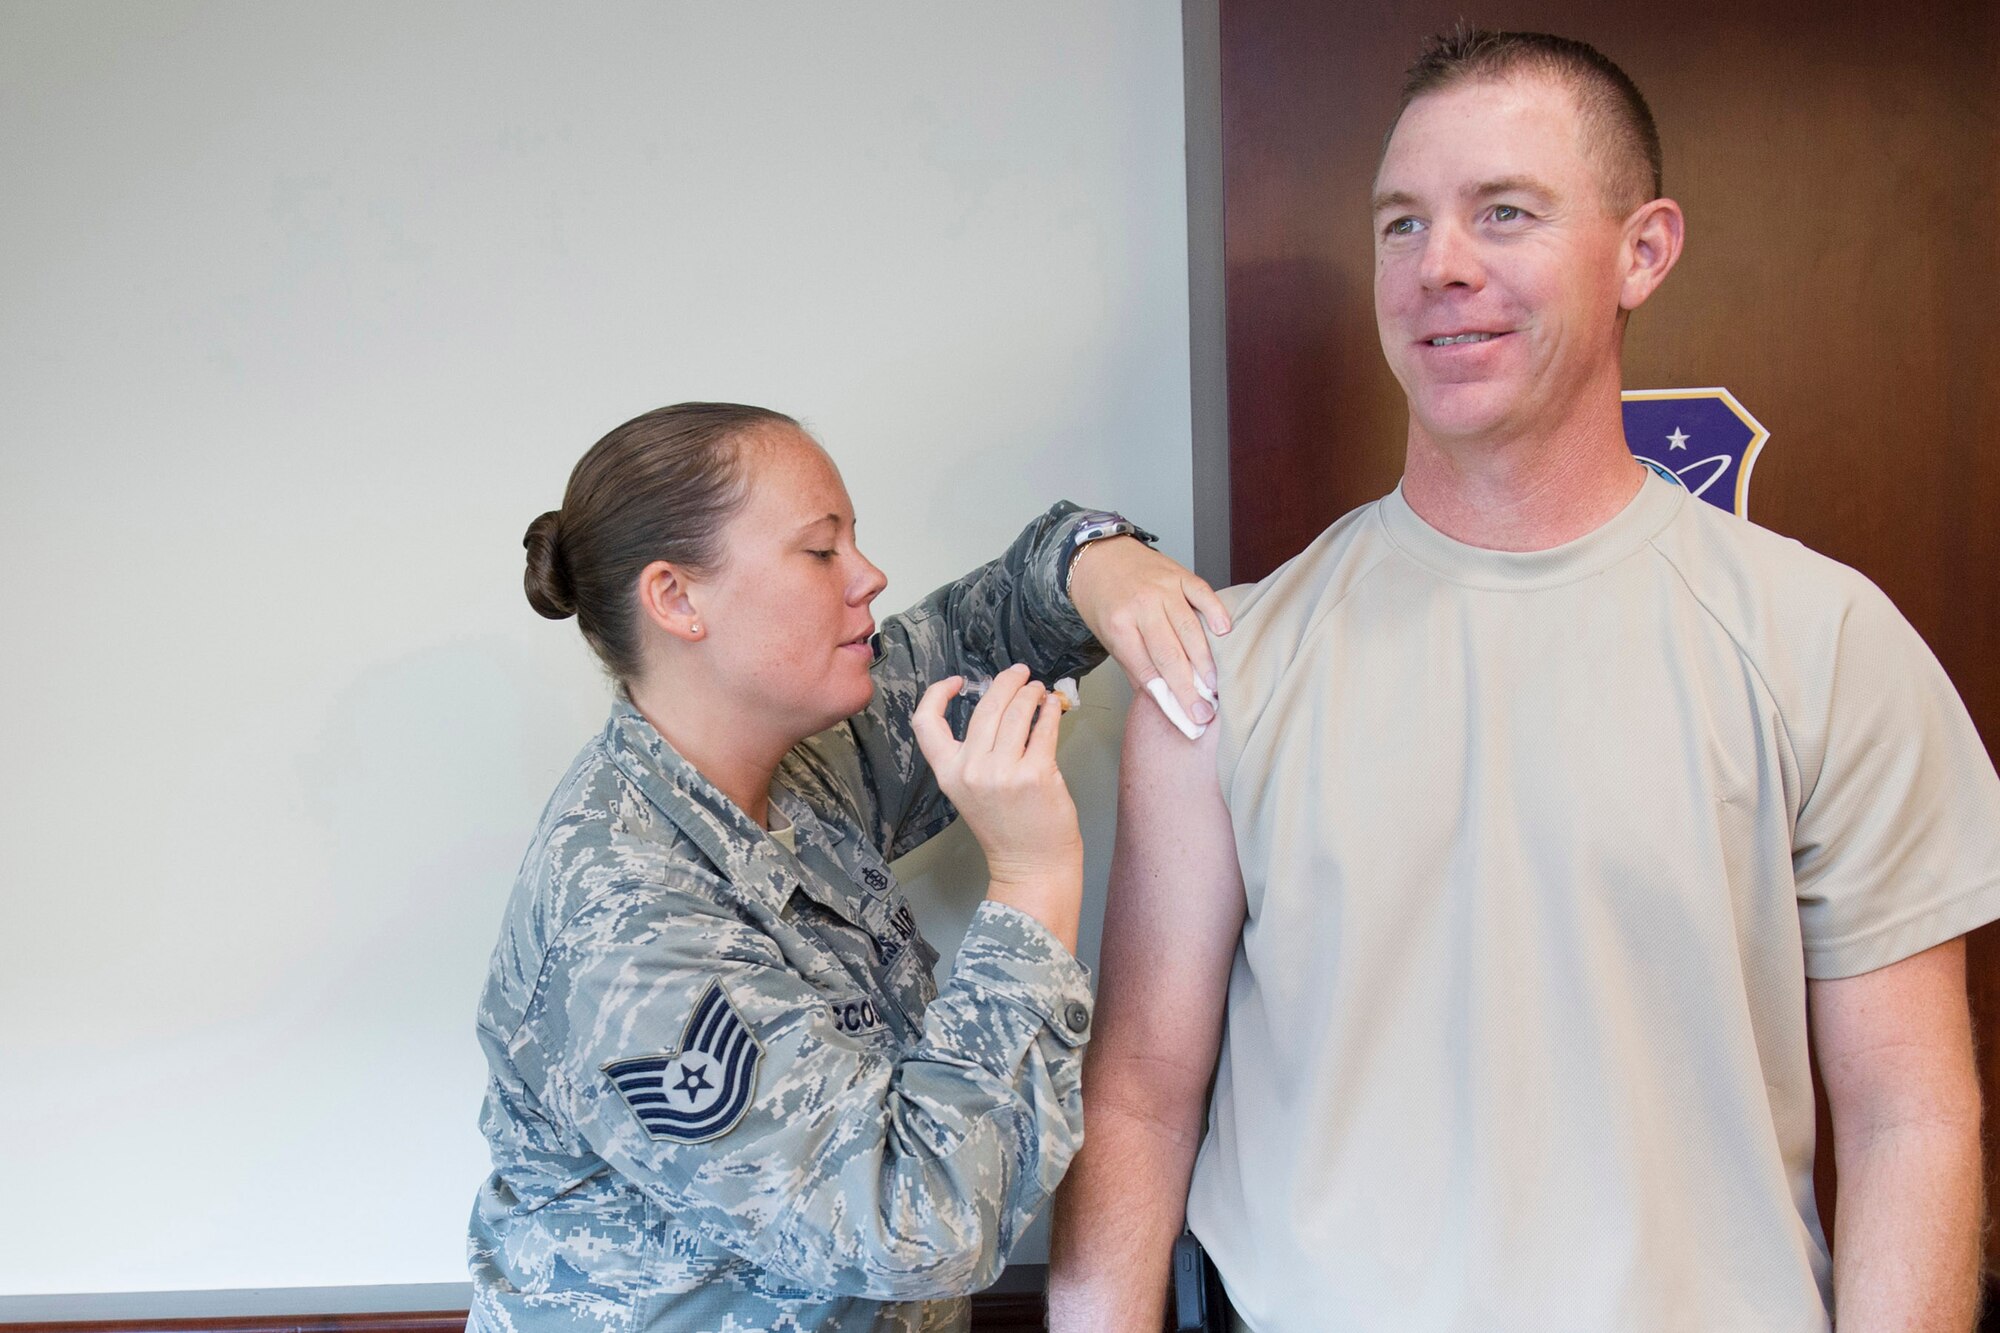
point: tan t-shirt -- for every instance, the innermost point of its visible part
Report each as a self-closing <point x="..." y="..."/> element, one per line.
<point x="1540" y="850"/>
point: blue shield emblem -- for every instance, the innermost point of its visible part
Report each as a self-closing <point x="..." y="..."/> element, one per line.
<point x="701" y="1090"/>
<point x="1702" y="439"/>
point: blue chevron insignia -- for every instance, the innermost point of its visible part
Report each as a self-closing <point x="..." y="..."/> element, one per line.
<point x="701" y="1090"/>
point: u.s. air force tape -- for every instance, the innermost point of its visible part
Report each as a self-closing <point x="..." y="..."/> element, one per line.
<point x="701" y="1090"/>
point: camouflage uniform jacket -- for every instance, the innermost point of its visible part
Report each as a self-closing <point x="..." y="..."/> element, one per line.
<point x="725" y="1092"/>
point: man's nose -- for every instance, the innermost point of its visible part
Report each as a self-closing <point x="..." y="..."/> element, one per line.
<point x="1451" y="259"/>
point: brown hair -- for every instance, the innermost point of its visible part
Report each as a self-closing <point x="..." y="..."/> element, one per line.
<point x="1617" y="123"/>
<point x="660" y="487"/>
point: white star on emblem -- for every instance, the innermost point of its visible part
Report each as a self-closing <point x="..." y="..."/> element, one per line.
<point x="1677" y="440"/>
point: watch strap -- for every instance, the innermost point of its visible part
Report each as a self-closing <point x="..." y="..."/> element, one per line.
<point x="1096" y="526"/>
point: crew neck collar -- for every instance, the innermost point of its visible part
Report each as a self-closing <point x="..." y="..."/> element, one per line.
<point x="1650" y="509"/>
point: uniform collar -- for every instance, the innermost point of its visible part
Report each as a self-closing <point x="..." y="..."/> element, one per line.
<point x="739" y="848"/>
<point x="827" y="883"/>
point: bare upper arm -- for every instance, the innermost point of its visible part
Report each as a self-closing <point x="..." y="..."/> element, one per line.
<point x="1896" y="1041"/>
<point x="1174" y="914"/>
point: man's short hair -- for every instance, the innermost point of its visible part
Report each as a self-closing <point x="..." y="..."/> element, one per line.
<point x="1616" y="121"/>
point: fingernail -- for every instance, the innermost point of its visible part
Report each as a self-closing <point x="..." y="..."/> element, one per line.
<point x="1204" y="685"/>
<point x="1203" y="711"/>
<point x="1171" y="706"/>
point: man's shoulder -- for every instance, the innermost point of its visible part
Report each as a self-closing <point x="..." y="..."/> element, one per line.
<point x="1749" y="576"/>
<point x="1818" y="634"/>
<point x="1325" y="571"/>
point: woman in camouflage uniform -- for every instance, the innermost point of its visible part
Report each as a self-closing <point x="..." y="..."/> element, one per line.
<point x="725" y="1091"/>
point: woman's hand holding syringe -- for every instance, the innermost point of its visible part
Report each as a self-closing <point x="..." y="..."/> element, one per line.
<point x="1004" y="780"/>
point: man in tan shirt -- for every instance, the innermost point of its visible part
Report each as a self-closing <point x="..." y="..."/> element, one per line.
<point x="1544" y="806"/>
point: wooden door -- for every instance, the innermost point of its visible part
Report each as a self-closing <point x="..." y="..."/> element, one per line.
<point x="1840" y="167"/>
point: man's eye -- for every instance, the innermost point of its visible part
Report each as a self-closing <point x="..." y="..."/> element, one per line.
<point x="1402" y="227"/>
<point x="820" y="555"/>
<point x="1507" y="213"/>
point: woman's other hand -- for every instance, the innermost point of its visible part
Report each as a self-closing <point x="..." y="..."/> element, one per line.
<point x="1147" y="610"/>
<point x="1004" y="780"/>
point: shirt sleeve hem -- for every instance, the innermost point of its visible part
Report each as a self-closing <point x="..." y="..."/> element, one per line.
<point x="1009" y="955"/>
<point x="1853" y="955"/>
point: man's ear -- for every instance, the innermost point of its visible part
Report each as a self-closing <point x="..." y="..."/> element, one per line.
<point x="664" y="599"/>
<point x="1653" y="236"/>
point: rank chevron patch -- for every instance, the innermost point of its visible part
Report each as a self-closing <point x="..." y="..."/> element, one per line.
<point x="700" y="1091"/>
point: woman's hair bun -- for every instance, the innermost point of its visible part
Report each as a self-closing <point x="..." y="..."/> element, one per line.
<point x="663" y="486"/>
<point x="547" y="581"/>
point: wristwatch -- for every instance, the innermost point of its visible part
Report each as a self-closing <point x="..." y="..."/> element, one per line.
<point x="1095" y="526"/>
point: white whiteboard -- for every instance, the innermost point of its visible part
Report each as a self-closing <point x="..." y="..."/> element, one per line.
<point x="306" y="311"/>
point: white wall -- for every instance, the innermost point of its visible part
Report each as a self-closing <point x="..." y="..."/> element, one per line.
<point x="305" y="310"/>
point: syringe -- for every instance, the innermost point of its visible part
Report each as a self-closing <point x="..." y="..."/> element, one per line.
<point x="1064" y="690"/>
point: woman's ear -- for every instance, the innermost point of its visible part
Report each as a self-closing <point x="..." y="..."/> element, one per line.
<point x="664" y="598"/>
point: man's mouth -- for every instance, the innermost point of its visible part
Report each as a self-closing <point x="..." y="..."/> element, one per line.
<point x="1456" y="339"/>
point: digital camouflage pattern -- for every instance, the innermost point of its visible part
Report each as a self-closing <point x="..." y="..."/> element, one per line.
<point x="891" y="1142"/>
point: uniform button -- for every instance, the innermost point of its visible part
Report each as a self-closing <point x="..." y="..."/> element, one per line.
<point x="1076" y="1016"/>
